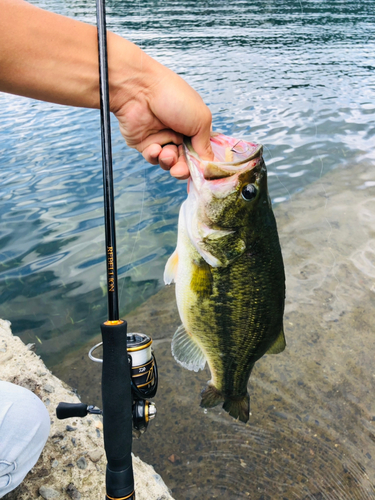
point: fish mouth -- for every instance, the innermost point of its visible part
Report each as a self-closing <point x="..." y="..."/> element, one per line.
<point x="232" y="156"/>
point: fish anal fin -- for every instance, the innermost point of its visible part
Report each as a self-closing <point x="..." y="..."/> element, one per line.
<point x="238" y="407"/>
<point x="210" y="397"/>
<point x="187" y="351"/>
<point x="279" y="344"/>
<point x="171" y="268"/>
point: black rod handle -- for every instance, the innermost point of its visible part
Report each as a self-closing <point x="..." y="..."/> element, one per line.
<point x="117" y="411"/>
<point x="109" y="205"/>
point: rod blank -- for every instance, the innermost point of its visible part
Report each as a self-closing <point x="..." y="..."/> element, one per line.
<point x="109" y="205"/>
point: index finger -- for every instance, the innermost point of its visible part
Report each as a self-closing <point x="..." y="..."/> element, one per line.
<point x="180" y="169"/>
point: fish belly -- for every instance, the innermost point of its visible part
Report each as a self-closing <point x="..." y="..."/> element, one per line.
<point x="193" y="291"/>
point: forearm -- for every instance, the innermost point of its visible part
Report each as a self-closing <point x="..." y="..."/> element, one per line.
<point x="54" y="58"/>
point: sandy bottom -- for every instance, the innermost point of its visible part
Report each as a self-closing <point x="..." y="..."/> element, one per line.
<point x="311" y="434"/>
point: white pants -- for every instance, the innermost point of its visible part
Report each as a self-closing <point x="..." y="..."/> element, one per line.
<point x="24" y="429"/>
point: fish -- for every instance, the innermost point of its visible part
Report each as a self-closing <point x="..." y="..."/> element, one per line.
<point x="228" y="272"/>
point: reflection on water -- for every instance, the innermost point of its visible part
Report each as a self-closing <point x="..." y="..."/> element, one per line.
<point x="297" y="76"/>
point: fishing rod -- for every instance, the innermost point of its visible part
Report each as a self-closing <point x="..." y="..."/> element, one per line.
<point x="116" y="384"/>
<point x="129" y="372"/>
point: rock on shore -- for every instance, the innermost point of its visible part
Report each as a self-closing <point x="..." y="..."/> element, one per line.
<point x="72" y="464"/>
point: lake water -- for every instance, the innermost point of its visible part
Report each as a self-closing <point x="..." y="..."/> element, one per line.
<point x="295" y="76"/>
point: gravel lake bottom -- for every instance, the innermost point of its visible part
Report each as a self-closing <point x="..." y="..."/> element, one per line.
<point x="311" y="434"/>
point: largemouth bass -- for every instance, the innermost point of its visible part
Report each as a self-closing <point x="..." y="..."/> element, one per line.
<point x="229" y="272"/>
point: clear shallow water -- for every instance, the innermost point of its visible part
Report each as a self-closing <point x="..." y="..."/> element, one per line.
<point x="296" y="76"/>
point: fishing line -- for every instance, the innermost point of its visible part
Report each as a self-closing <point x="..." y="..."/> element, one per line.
<point x="136" y="239"/>
<point x="334" y="265"/>
<point x="276" y="174"/>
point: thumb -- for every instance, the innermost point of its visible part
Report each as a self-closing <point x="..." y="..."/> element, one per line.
<point x="201" y="142"/>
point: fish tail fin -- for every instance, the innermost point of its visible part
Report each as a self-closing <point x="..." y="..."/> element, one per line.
<point x="238" y="407"/>
<point x="211" y="397"/>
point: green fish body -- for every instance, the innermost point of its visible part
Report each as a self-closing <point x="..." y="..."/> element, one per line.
<point x="229" y="273"/>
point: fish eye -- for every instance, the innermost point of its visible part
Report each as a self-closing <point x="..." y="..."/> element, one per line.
<point x="249" y="192"/>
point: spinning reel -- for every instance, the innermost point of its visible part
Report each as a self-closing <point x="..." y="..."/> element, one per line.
<point x="144" y="383"/>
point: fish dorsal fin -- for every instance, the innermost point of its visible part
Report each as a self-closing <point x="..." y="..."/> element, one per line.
<point x="279" y="344"/>
<point x="186" y="351"/>
<point x="170" y="270"/>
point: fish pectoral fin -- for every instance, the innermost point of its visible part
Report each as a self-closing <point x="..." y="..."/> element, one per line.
<point x="279" y="344"/>
<point x="186" y="350"/>
<point x="170" y="270"/>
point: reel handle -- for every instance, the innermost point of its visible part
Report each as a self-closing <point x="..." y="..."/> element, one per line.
<point x="68" y="410"/>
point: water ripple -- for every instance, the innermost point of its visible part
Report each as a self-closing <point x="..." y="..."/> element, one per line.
<point x="295" y="76"/>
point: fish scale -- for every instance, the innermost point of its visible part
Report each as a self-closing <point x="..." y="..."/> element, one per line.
<point x="248" y="327"/>
<point x="229" y="273"/>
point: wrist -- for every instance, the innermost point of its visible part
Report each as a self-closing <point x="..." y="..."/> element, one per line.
<point x="131" y="73"/>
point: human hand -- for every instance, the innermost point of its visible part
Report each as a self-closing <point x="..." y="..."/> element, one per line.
<point x="155" y="119"/>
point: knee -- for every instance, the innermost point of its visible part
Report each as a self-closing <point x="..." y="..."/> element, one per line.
<point x="37" y="417"/>
<point x="24" y="429"/>
<point x="25" y="418"/>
